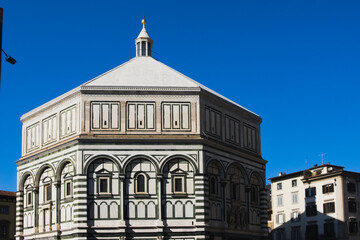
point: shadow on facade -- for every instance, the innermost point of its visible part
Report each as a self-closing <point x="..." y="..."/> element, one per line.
<point x="310" y="225"/>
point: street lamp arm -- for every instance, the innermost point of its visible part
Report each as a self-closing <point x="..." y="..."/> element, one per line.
<point x="8" y="58"/>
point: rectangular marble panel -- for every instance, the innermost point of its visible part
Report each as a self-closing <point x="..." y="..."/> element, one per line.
<point x="185" y="116"/>
<point x="114" y="116"/>
<point x="150" y="116"/>
<point x="96" y="116"/>
<point x="166" y="116"/>
<point x="218" y="124"/>
<point x="63" y="123"/>
<point x="176" y="116"/>
<point x="141" y="116"/>
<point x="105" y="116"/>
<point x="73" y="119"/>
<point x="131" y="116"/>
<point x="207" y="120"/>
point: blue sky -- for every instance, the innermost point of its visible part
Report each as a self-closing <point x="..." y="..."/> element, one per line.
<point x="295" y="63"/>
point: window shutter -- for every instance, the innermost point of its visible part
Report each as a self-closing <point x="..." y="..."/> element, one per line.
<point x="314" y="191"/>
<point x="324" y="188"/>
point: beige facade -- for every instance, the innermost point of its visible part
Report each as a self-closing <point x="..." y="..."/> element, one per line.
<point x="7" y="215"/>
<point x="319" y="203"/>
<point x="141" y="152"/>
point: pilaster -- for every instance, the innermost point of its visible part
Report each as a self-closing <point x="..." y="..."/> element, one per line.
<point x="19" y="215"/>
<point x="263" y="208"/>
<point x="202" y="206"/>
<point x="57" y="205"/>
<point x="36" y="209"/>
<point x="80" y="205"/>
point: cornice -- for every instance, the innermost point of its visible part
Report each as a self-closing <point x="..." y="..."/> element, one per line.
<point x="66" y="96"/>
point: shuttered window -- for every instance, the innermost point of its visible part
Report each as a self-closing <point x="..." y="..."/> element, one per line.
<point x="329" y="207"/>
<point x="328" y="188"/>
<point x="310" y="192"/>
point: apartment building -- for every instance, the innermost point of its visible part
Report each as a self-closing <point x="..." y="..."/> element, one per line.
<point x="7" y="215"/>
<point x="317" y="203"/>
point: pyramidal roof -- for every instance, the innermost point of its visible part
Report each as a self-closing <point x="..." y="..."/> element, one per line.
<point x="143" y="33"/>
<point x="142" y="72"/>
<point x="146" y="72"/>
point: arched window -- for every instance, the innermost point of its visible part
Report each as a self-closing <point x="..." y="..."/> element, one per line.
<point x="254" y="195"/>
<point x="255" y="189"/>
<point x="141" y="186"/>
<point x="213" y="185"/>
<point x="66" y="178"/>
<point x="235" y="191"/>
<point x="143" y="48"/>
<point x="27" y="186"/>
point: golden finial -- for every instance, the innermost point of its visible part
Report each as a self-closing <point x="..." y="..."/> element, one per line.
<point x="143" y="21"/>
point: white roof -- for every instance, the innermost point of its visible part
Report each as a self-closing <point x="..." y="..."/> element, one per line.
<point x="137" y="74"/>
<point x="142" y="72"/>
<point x="146" y="72"/>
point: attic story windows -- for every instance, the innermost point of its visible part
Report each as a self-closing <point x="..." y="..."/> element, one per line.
<point x="33" y="137"/>
<point x="249" y="137"/>
<point x="68" y="121"/>
<point x="105" y="115"/>
<point x="213" y="122"/>
<point x="232" y="130"/>
<point x="49" y="128"/>
<point x="140" y="116"/>
<point x="176" y="116"/>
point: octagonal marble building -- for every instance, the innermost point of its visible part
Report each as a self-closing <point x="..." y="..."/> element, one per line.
<point x="141" y="152"/>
